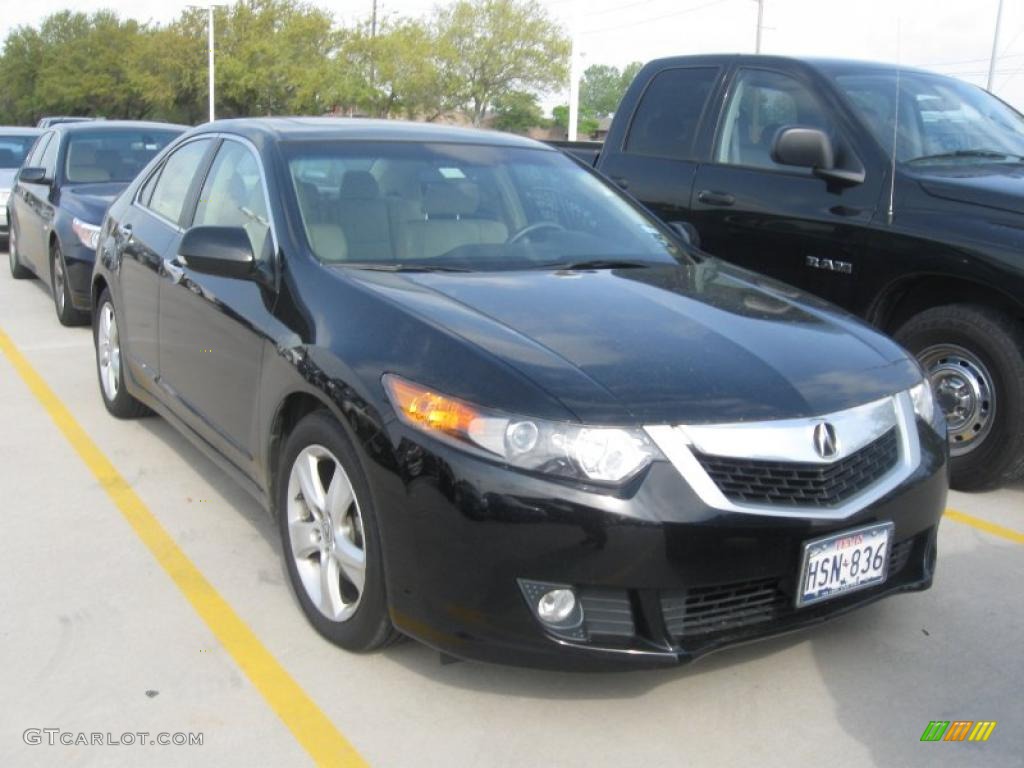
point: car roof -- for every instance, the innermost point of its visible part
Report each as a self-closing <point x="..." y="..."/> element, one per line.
<point x="830" y="66"/>
<point x="359" y="129"/>
<point x="20" y="130"/>
<point x="101" y="126"/>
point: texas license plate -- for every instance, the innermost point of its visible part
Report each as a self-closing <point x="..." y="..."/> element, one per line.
<point x="844" y="562"/>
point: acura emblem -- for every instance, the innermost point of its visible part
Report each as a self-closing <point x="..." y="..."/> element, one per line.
<point x="825" y="441"/>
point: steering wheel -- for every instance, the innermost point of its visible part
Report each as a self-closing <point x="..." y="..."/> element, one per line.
<point x="529" y="229"/>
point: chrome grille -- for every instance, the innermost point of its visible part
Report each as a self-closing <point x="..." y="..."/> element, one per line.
<point x="753" y="481"/>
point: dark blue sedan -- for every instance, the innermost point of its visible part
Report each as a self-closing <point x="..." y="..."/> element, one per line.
<point x="67" y="181"/>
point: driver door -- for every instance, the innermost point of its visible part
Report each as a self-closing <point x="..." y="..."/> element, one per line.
<point x="775" y="219"/>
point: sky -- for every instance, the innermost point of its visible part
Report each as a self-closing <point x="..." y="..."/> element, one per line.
<point x="949" y="36"/>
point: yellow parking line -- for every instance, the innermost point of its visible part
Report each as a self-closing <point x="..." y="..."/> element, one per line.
<point x="984" y="525"/>
<point x="307" y="722"/>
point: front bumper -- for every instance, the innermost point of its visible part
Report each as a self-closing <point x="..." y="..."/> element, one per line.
<point x="663" y="577"/>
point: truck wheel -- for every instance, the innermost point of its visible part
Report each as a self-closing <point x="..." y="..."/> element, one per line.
<point x="974" y="357"/>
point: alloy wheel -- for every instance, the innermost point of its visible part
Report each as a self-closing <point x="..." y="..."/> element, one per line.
<point x="109" y="351"/>
<point x="964" y="390"/>
<point x="325" y="532"/>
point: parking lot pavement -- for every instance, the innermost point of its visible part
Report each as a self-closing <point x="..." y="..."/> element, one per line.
<point x="93" y="626"/>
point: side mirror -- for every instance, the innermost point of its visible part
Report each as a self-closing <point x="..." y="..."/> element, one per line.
<point x="686" y="232"/>
<point x="803" y="147"/>
<point x="221" y="251"/>
<point x="34" y="175"/>
<point x="812" y="148"/>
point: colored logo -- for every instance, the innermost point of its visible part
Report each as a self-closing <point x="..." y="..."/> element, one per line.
<point x="958" y="730"/>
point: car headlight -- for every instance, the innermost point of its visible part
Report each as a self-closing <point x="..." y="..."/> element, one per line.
<point x="88" y="234"/>
<point x="600" y="454"/>
<point x="924" y="406"/>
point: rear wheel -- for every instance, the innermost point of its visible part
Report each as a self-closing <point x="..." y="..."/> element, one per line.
<point x="109" y="366"/>
<point x="18" y="271"/>
<point x="330" y="538"/>
<point x="974" y="358"/>
<point x="66" y="312"/>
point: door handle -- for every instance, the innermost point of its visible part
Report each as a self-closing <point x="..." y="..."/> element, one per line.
<point x="173" y="270"/>
<point x="710" y="197"/>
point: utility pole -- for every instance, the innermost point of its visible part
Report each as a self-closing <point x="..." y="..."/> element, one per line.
<point x="760" y="24"/>
<point x="995" y="47"/>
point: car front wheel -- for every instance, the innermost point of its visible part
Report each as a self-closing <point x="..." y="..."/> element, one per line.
<point x="18" y="270"/>
<point x="66" y="312"/>
<point x="974" y="358"/>
<point x="330" y="538"/>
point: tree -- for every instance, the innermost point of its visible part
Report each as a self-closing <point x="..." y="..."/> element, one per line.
<point x="586" y="123"/>
<point x="603" y="86"/>
<point x="491" y="47"/>
<point x="517" y="112"/>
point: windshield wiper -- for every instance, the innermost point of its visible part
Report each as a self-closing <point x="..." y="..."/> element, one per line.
<point x="599" y="264"/>
<point x="402" y="267"/>
<point x="983" y="153"/>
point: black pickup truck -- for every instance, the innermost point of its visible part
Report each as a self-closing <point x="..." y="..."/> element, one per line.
<point x="911" y="218"/>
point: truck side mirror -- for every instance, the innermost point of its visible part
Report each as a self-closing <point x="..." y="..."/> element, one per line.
<point x="803" y="147"/>
<point x="812" y="148"/>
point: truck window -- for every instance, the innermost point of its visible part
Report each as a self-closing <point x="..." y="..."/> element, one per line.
<point x="665" y="124"/>
<point x="762" y="102"/>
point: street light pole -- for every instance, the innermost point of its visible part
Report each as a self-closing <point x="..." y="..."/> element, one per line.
<point x="210" y="74"/>
<point x="574" y="74"/>
<point x="760" y="25"/>
<point x="995" y="47"/>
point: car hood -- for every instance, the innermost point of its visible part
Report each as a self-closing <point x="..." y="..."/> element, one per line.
<point x="7" y="177"/>
<point x="90" y="201"/>
<point x="1000" y="187"/>
<point x="667" y="344"/>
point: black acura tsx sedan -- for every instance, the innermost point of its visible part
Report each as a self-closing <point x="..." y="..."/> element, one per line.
<point x="495" y="405"/>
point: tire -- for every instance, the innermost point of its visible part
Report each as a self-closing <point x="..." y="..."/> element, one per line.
<point x="318" y="467"/>
<point x="106" y="339"/>
<point x="974" y="357"/>
<point x="18" y="270"/>
<point x="66" y="312"/>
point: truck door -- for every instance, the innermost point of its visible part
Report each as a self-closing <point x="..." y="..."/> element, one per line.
<point x="655" y="158"/>
<point x="775" y="219"/>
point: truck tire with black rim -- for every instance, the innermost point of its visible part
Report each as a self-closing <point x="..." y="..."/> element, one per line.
<point x="974" y="357"/>
<point x="109" y="367"/>
<point x="330" y="538"/>
<point x="18" y="270"/>
<point x="66" y="312"/>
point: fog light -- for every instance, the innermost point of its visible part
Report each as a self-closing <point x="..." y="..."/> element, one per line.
<point x="556" y="606"/>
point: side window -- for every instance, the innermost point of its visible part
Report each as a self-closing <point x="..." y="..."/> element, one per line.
<point x="233" y="197"/>
<point x="762" y="102"/>
<point x="666" y="122"/>
<point x="36" y="155"/>
<point x="49" y="158"/>
<point x="172" y="187"/>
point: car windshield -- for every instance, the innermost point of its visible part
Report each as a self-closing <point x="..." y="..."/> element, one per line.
<point x="100" y="156"/>
<point x="405" y="205"/>
<point x="13" y="150"/>
<point x="941" y="120"/>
